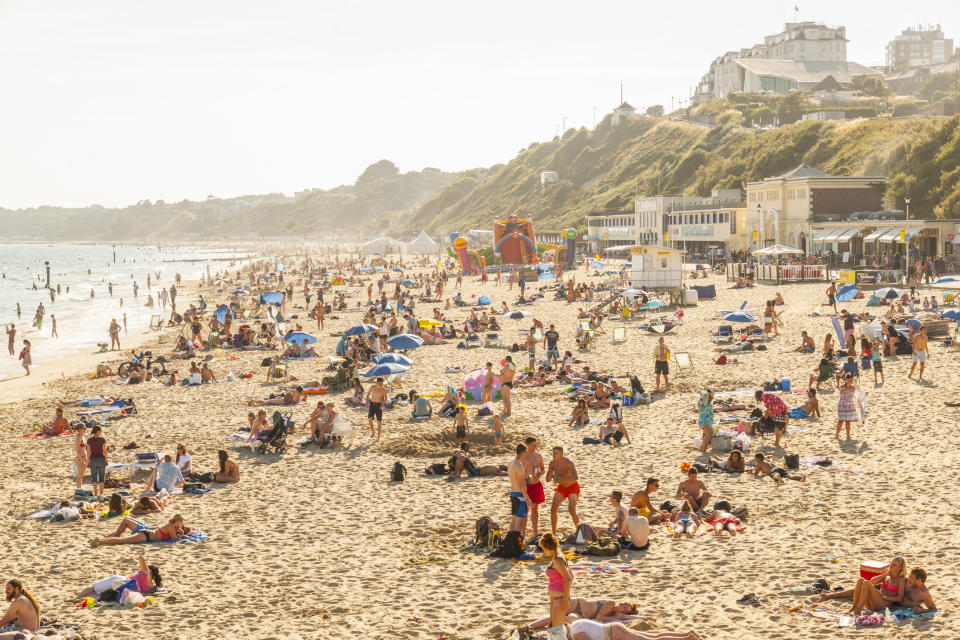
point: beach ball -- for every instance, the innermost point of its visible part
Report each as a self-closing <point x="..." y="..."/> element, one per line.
<point x="684" y="466"/>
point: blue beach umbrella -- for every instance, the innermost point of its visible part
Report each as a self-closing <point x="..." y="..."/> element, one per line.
<point x="913" y="323"/>
<point x="299" y="337"/>
<point x="407" y="282"/>
<point x="359" y="329"/>
<point x="847" y="292"/>
<point x="596" y="263"/>
<point x="519" y="314"/>
<point x="398" y="269"/>
<point x="946" y="282"/>
<point x="404" y="342"/>
<point x="392" y="358"/>
<point x="221" y="313"/>
<point x="740" y="316"/>
<point x="951" y="314"/>
<point x="483" y="300"/>
<point x="271" y="297"/>
<point x="653" y="304"/>
<point x="387" y="369"/>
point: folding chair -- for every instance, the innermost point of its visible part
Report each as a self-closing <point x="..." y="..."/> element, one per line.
<point x="677" y="317"/>
<point x="587" y="340"/>
<point x="949" y="299"/>
<point x="472" y="340"/>
<point x="492" y="340"/>
<point x="145" y="461"/>
<point x="279" y="373"/>
<point x="755" y="335"/>
<point x="619" y="335"/>
<point x="155" y="323"/>
<point x="343" y="432"/>
<point x="684" y="363"/>
<point x="724" y="334"/>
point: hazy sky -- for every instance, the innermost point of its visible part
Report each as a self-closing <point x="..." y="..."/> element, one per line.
<point x="111" y="102"/>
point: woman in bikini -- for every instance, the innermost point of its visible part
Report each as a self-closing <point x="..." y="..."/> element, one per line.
<point x="80" y="453"/>
<point x="602" y="610"/>
<point x="581" y="414"/>
<point x="877" y="593"/>
<point x="229" y="471"/>
<point x="559" y="579"/>
<point x="173" y="530"/>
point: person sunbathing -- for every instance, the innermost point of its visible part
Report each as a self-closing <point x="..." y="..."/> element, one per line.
<point x="229" y="471"/>
<point x="807" y="344"/>
<point x="600" y="398"/>
<point x="148" y="580"/>
<point x="173" y="530"/>
<point x="531" y="379"/>
<point x="58" y="425"/>
<point x="733" y="464"/>
<point x="461" y="461"/>
<point x="641" y="501"/>
<point x="601" y="610"/>
<point x="721" y="519"/>
<point x="810" y="408"/>
<point x="685" y="521"/>
<point x="917" y="595"/>
<point x="289" y="398"/>
<point x="763" y="467"/>
<point x="694" y="491"/>
<point x="147" y="504"/>
<point x="581" y="414"/>
<point x="892" y="581"/>
<point x="96" y="401"/>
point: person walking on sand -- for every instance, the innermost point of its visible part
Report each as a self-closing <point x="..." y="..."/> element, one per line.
<point x="661" y="364"/>
<point x="831" y="296"/>
<point x="114" y="334"/>
<point x="376" y="396"/>
<point x="919" y="352"/>
<point x="53" y="326"/>
<point x="564" y="473"/>
<point x="507" y="372"/>
<point x="97" y="459"/>
<point x="80" y="460"/>
<point x="11" y="335"/>
<point x="26" y="359"/>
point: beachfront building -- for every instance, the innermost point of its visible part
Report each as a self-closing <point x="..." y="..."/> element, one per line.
<point x="708" y="230"/>
<point x="653" y="215"/>
<point x="821" y="51"/>
<point x="782" y="209"/>
<point x="920" y="46"/>
<point x="625" y="110"/>
<point x="856" y="238"/>
<point x="610" y="228"/>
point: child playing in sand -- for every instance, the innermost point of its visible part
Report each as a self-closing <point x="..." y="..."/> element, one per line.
<point x="461" y="424"/>
<point x="497" y="428"/>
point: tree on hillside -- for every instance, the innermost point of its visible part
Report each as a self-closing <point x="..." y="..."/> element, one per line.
<point x="939" y="85"/>
<point x="791" y="107"/>
<point x="655" y="110"/>
<point x="377" y="171"/>
<point x="870" y="86"/>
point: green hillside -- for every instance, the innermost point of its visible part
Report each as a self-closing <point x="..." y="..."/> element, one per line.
<point x="603" y="168"/>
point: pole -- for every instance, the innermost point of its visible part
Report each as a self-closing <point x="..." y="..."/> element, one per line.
<point x="47" y="265"/>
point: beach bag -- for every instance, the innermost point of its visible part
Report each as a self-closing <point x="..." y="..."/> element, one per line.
<point x="437" y="469"/>
<point x="792" y="460"/>
<point x="722" y="443"/>
<point x="481" y="530"/>
<point x="589" y="440"/>
<point x="266" y="362"/>
<point x="512" y="546"/>
<point x="399" y="472"/>
<point x="636" y="386"/>
<point x="604" y="547"/>
<point x="721" y="360"/>
<point x="616" y="413"/>
<point x="627" y="400"/>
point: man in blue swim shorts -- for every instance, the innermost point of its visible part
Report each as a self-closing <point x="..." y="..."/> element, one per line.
<point x="519" y="500"/>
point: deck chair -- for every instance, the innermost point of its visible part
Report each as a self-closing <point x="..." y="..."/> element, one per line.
<point x="586" y="341"/>
<point x="619" y="335"/>
<point x="213" y="340"/>
<point x="677" y="317"/>
<point x="949" y="299"/>
<point x="826" y="376"/>
<point x="585" y="325"/>
<point x="472" y="340"/>
<point x="756" y="335"/>
<point x="492" y="340"/>
<point x="684" y="363"/>
<point x="145" y="461"/>
<point x="343" y="433"/>
<point x="538" y="335"/>
<point x="279" y="373"/>
<point x="724" y="334"/>
<point x="155" y="323"/>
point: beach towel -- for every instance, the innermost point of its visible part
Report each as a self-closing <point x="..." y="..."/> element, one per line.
<point x="45" y="435"/>
<point x="671" y="529"/>
<point x="592" y="420"/>
<point x="599" y="568"/>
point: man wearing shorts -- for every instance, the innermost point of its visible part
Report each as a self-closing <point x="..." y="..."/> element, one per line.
<point x="919" y="352"/>
<point x="533" y="468"/>
<point x="519" y="499"/>
<point x="564" y="473"/>
<point x="376" y="396"/>
<point x="550" y="340"/>
<point x="775" y="409"/>
<point x="661" y="364"/>
<point x="507" y="372"/>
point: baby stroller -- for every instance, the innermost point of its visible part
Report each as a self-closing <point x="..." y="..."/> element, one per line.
<point x="276" y="438"/>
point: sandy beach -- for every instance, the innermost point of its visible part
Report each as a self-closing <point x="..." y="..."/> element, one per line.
<point x="319" y="544"/>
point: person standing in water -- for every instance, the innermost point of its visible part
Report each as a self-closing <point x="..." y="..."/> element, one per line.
<point x="11" y="335"/>
<point x="114" y="334"/>
<point x="53" y="326"/>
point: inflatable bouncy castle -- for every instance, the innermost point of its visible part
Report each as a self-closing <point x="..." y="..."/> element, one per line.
<point x="513" y="240"/>
<point x="567" y="254"/>
<point x="470" y="261"/>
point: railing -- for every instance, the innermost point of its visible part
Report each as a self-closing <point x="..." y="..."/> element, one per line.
<point x="768" y="272"/>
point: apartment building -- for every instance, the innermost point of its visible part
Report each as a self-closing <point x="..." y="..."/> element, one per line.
<point x="919" y="46"/>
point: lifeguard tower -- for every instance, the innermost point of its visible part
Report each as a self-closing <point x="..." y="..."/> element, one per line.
<point x="658" y="268"/>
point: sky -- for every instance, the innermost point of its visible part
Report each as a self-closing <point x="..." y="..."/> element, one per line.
<point x="112" y="102"/>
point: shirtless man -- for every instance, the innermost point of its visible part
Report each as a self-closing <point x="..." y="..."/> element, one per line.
<point x="661" y="364"/>
<point x="831" y="296"/>
<point x="807" y="345"/>
<point x="23" y="613"/>
<point x="694" y="491"/>
<point x="519" y="499"/>
<point x="318" y="315"/>
<point x="289" y="398"/>
<point x="919" y="352"/>
<point x="641" y="500"/>
<point x="58" y="425"/>
<point x="486" y="395"/>
<point x="564" y="473"/>
<point x="533" y="466"/>
<point x="376" y="396"/>
<point x="507" y="372"/>
<point x="763" y="467"/>
<point x="916" y="594"/>
<point x="531" y="346"/>
<point x="206" y="374"/>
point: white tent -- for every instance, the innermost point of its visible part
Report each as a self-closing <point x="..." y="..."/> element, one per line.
<point x="423" y="244"/>
<point x="383" y="245"/>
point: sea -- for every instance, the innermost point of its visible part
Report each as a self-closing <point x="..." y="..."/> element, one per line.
<point x="79" y="270"/>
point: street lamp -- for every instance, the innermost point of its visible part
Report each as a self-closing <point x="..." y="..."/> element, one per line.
<point x="907" y="201"/>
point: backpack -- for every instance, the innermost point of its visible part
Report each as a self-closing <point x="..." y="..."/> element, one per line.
<point x="616" y="413"/>
<point x="512" y="546"/>
<point x="437" y="469"/>
<point x="266" y="362"/>
<point x="635" y="386"/>
<point x="399" y="472"/>
<point x="792" y="460"/>
<point x="481" y="530"/>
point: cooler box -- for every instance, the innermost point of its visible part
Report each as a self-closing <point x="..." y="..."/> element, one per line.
<point x="785" y="384"/>
<point x="872" y="568"/>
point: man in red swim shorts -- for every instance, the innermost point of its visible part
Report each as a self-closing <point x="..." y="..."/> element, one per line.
<point x="533" y="466"/>
<point x="564" y="473"/>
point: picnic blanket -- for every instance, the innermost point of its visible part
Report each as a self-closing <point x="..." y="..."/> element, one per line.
<point x="195" y="535"/>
